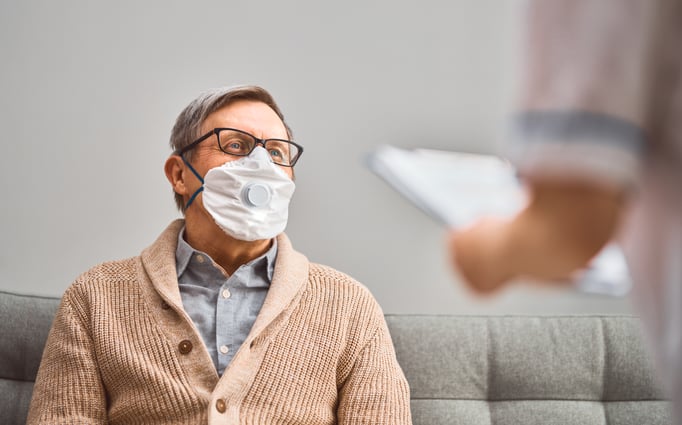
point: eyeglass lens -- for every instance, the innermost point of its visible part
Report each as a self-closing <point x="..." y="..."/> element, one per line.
<point x="241" y="144"/>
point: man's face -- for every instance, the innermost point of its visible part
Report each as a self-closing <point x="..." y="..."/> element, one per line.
<point x="255" y="118"/>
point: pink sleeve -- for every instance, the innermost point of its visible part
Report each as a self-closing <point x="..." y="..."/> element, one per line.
<point x="585" y="76"/>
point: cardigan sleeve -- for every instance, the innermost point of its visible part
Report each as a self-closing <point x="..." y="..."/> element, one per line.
<point x="375" y="391"/>
<point x="68" y="386"/>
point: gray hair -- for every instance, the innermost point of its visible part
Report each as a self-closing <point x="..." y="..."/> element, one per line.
<point x="188" y="124"/>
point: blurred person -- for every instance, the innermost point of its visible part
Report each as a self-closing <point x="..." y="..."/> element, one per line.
<point x="220" y="320"/>
<point x="598" y="141"/>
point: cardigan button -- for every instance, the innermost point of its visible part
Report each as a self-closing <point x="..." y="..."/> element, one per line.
<point x="220" y="405"/>
<point x="185" y="346"/>
<point x="164" y="305"/>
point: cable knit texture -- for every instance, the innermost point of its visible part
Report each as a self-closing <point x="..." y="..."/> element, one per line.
<point x="123" y="351"/>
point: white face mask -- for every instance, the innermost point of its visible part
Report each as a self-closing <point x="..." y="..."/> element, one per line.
<point x="249" y="197"/>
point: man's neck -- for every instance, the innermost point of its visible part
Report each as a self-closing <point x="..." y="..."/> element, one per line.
<point x="228" y="252"/>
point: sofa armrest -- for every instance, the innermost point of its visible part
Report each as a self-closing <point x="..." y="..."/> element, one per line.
<point x="25" y="322"/>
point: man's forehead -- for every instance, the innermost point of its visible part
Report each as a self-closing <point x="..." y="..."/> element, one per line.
<point x="252" y="116"/>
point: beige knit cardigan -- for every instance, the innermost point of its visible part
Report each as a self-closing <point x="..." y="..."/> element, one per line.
<point x="123" y="351"/>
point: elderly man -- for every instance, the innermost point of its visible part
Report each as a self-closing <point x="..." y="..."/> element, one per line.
<point x="220" y="320"/>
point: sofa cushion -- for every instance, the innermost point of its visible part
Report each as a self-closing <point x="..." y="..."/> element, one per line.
<point x="527" y="370"/>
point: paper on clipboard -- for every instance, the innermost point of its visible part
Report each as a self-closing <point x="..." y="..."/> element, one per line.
<point x="456" y="189"/>
<point x="453" y="188"/>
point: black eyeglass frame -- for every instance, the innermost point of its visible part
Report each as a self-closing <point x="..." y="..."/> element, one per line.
<point x="262" y="142"/>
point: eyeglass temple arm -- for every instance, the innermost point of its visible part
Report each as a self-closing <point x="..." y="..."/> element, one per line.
<point x="196" y="142"/>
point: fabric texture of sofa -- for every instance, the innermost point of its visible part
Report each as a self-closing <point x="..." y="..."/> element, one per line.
<point x="516" y="370"/>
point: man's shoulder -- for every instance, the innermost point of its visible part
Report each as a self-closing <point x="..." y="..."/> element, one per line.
<point x="95" y="288"/>
<point x="124" y="269"/>
<point x="339" y="297"/>
<point x="331" y="275"/>
<point x="329" y="279"/>
<point x="117" y="271"/>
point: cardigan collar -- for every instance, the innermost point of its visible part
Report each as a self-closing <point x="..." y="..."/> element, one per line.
<point x="290" y="275"/>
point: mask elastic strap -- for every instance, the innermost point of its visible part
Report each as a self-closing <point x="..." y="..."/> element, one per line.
<point x="194" y="195"/>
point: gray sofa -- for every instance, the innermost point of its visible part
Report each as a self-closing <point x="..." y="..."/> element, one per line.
<point x="462" y="369"/>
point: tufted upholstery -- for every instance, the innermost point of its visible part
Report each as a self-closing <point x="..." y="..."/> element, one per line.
<point x="518" y="370"/>
<point x="462" y="369"/>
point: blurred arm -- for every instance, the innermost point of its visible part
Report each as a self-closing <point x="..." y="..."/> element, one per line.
<point x="579" y="133"/>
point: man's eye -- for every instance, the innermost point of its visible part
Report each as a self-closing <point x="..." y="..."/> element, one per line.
<point x="235" y="146"/>
<point x="275" y="153"/>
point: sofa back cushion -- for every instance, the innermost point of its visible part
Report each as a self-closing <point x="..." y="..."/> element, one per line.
<point x="527" y="370"/>
<point x="24" y="324"/>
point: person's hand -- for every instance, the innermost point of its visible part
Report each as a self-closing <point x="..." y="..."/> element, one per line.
<point x="477" y="252"/>
<point x="560" y="230"/>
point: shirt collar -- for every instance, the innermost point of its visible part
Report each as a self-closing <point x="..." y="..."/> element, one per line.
<point x="270" y="258"/>
<point x="184" y="253"/>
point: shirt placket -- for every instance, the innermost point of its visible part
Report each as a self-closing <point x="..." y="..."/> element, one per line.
<point x="226" y="321"/>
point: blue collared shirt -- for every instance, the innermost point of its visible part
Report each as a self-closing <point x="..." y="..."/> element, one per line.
<point x="223" y="308"/>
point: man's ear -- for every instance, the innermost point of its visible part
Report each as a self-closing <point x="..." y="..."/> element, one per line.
<point x="175" y="173"/>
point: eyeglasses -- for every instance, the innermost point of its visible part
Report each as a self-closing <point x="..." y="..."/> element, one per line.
<point x="240" y="143"/>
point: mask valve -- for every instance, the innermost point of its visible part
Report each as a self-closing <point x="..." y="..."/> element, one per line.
<point x="256" y="195"/>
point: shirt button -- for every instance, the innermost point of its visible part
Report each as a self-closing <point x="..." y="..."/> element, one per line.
<point x="185" y="346"/>
<point x="200" y="258"/>
<point x="220" y="405"/>
<point x="226" y="293"/>
<point x="224" y="349"/>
